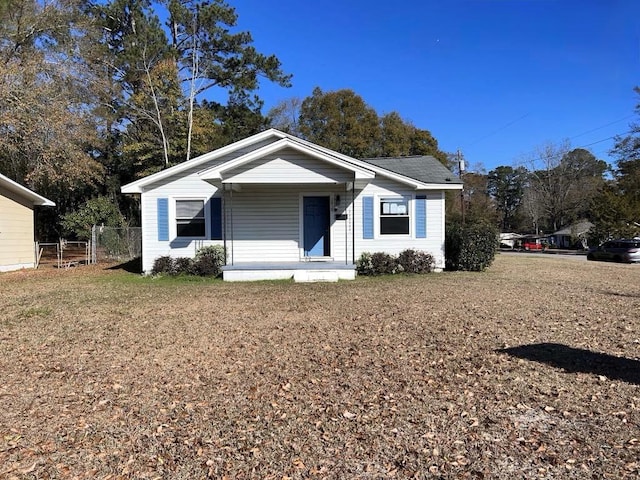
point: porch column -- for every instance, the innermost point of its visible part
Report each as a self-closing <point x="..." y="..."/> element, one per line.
<point x="231" y="219"/>
<point x="224" y="221"/>
<point x="227" y="222"/>
<point x="353" y="222"/>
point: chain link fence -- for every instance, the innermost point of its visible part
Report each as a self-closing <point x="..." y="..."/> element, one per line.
<point x="115" y="244"/>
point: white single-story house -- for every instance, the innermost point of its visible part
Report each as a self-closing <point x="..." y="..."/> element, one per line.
<point x="572" y="236"/>
<point x="284" y="207"/>
<point x="17" y="236"/>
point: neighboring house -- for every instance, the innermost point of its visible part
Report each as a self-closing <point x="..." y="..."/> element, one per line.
<point x="17" y="246"/>
<point x="572" y="236"/>
<point x="509" y="239"/>
<point x="284" y="207"/>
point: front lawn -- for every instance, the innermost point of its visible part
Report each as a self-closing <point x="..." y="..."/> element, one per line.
<point x="528" y="370"/>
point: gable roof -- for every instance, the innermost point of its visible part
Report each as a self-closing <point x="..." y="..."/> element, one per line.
<point x="216" y="163"/>
<point x="385" y="171"/>
<point x="579" y="228"/>
<point x="215" y="172"/>
<point x="211" y="157"/>
<point x="424" y="168"/>
<point x="24" y="192"/>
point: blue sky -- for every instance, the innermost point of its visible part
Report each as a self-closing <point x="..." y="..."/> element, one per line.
<point x="495" y="78"/>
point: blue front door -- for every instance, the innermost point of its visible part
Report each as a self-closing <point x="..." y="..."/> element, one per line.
<point x="316" y="226"/>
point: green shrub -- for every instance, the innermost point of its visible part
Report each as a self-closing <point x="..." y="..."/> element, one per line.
<point x="164" y="266"/>
<point x="415" y="261"/>
<point x="378" y="263"/>
<point x="409" y="261"/>
<point x="364" y="265"/>
<point x="185" y="266"/>
<point x="209" y="260"/>
<point x="470" y="247"/>
<point x="384" y="264"/>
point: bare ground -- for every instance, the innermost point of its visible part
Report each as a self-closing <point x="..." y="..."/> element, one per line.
<point x="529" y="370"/>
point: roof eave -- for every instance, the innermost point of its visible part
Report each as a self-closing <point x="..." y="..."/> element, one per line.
<point x="33" y="197"/>
<point x="138" y="185"/>
<point x="45" y="203"/>
<point x="442" y="186"/>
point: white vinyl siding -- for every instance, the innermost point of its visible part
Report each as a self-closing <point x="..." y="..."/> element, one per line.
<point x="188" y="187"/>
<point x="288" y="167"/>
<point x="262" y="219"/>
<point x="263" y="224"/>
<point x="186" y="184"/>
<point x="394" y="244"/>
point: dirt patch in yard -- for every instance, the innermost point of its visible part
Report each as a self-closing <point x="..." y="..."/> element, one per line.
<point x="528" y="370"/>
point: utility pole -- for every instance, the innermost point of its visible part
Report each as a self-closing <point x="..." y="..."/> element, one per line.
<point x="461" y="172"/>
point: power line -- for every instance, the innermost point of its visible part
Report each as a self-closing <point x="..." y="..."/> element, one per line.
<point x="605" y="139"/>
<point x="601" y="127"/>
<point x="560" y="154"/>
<point x="575" y="136"/>
<point x="496" y="131"/>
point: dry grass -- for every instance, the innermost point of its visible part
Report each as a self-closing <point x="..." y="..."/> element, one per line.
<point x="108" y="375"/>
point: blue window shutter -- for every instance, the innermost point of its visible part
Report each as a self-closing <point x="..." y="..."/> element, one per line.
<point x="367" y="217"/>
<point x="216" y="218"/>
<point x="421" y="216"/>
<point x="163" y="219"/>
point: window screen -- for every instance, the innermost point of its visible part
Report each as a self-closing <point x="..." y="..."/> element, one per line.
<point x="190" y="218"/>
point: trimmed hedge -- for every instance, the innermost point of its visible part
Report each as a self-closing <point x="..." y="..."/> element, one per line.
<point x="165" y="265"/>
<point x="380" y="263"/>
<point x="185" y="266"/>
<point x="208" y="262"/>
<point x="470" y="247"/>
<point x="416" y="261"/>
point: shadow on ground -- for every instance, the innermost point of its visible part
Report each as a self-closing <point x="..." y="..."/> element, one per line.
<point x="132" y="266"/>
<point x="620" y="294"/>
<point x="574" y="360"/>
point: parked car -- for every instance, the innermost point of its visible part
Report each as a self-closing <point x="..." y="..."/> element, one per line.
<point x="621" y="250"/>
<point x="532" y="243"/>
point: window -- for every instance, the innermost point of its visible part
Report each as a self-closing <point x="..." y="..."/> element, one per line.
<point x="190" y="218"/>
<point x="394" y="216"/>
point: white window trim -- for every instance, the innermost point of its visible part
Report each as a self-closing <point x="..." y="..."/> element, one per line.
<point x="173" y="226"/>
<point x="411" y="204"/>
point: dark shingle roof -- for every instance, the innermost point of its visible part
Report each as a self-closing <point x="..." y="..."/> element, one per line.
<point x="423" y="168"/>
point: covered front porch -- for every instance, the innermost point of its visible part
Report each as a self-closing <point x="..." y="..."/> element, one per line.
<point x="285" y="224"/>
<point x="306" y="271"/>
<point x="302" y="232"/>
<point x="286" y="213"/>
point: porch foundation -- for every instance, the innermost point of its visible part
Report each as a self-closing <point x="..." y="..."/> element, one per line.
<point x="299" y="271"/>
